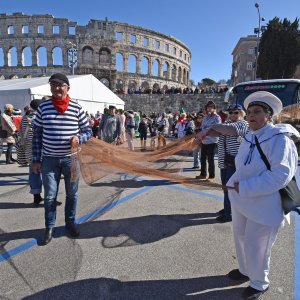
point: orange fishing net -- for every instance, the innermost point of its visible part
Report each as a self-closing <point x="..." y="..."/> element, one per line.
<point x="98" y="158"/>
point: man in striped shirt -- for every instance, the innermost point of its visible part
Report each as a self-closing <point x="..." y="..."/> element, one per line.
<point x="60" y="125"/>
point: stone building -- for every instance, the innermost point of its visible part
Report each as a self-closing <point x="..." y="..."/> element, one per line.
<point x="39" y="45"/>
<point x="244" y="60"/>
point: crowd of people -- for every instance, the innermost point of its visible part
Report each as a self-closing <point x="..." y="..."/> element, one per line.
<point x="50" y="128"/>
<point x="173" y="90"/>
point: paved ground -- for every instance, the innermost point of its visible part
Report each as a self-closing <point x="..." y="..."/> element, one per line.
<point x="159" y="241"/>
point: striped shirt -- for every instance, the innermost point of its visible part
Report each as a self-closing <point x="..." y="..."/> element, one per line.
<point x="232" y="142"/>
<point x="53" y="131"/>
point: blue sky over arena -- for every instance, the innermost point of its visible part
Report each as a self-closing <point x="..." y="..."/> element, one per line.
<point x="210" y="29"/>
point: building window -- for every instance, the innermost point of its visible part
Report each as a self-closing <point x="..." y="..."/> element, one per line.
<point x="10" y="29"/>
<point x="55" y="29"/>
<point x="104" y="26"/>
<point x="167" y="47"/>
<point x="157" y="44"/>
<point x="71" y="30"/>
<point x="146" y="41"/>
<point x="251" y="51"/>
<point x="180" y="53"/>
<point x="119" y="36"/>
<point x="25" y="29"/>
<point x="174" y="51"/>
<point x="41" y="29"/>
<point x="249" y="65"/>
<point x="132" y="39"/>
<point x="184" y="56"/>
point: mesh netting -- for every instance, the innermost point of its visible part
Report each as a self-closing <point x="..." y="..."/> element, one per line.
<point x="98" y="158"/>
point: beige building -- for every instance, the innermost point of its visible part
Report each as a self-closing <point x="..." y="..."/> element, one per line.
<point x="244" y="60"/>
<point x="243" y="66"/>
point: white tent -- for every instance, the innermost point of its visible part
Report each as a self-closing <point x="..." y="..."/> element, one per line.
<point x="87" y="90"/>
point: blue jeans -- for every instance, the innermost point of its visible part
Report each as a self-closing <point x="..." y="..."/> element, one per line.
<point x="35" y="181"/>
<point x="196" y="155"/>
<point x="225" y="176"/>
<point x="52" y="169"/>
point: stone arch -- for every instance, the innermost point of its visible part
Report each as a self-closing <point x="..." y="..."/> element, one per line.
<point x="119" y="61"/>
<point x="132" y="65"/>
<point x="165" y="88"/>
<point x="155" y="87"/>
<point x="1" y="57"/>
<point x="145" y="86"/>
<point x="57" y="58"/>
<point x="166" y="69"/>
<point x="132" y="85"/>
<point x="104" y="56"/>
<point x="26" y="57"/>
<point x="105" y="81"/>
<point x="145" y="65"/>
<point x="12" y="59"/>
<point x="173" y="72"/>
<point x="41" y="56"/>
<point x="155" y="67"/>
<point x="120" y="84"/>
<point x="87" y="55"/>
<point x="13" y="76"/>
<point x="179" y="75"/>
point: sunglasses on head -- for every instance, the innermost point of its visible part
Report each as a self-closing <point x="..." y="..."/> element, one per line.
<point x="233" y="112"/>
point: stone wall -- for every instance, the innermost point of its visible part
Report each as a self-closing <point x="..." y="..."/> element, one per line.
<point x="170" y="102"/>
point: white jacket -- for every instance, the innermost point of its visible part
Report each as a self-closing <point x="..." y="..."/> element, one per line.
<point x="258" y="198"/>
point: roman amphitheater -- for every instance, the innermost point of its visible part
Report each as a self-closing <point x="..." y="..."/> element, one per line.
<point x="122" y="56"/>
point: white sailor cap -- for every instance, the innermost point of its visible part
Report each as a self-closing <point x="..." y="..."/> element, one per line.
<point x="266" y="100"/>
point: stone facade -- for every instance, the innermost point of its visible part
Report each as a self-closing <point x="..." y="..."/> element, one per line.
<point x="95" y="48"/>
<point x="172" y="102"/>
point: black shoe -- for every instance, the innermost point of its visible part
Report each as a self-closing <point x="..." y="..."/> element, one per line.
<point x="221" y="212"/>
<point x="9" y="162"/>
<point x="37" y="199"/>
<point x="73" y="230"/>
<point x="251" y="294"/>
<point x="47" y="236"/>
<point x="14" y="160"/>
<point x="195" y="167"/>
<point x="237" y="275"/>
<point x="223" y="219"/>
<point x="58" y="203"/>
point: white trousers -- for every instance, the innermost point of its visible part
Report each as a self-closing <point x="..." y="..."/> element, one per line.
<point x="129" y="138"/>
<point x="253" y="244"/>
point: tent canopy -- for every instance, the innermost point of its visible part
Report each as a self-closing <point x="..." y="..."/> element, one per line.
<point x="87" y="90"/>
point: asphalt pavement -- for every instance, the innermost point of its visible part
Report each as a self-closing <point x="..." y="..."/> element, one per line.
<point x="141" y="238"/>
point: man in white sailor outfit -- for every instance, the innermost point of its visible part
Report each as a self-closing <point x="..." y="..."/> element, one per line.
<point x="257" y="213"/>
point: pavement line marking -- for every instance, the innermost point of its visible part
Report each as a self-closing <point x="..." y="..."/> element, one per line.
<point x="297" y="257"/>
<point x="58" y="230"/>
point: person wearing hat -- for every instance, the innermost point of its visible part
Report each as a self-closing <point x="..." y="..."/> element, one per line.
<point x="110" y="126"/>
<point x="230" y="135"/>
<point x="8" y="130"/>
<point x="209" y="143"/>
<point x="257" y="212"/>
<point x="60" y="124"/>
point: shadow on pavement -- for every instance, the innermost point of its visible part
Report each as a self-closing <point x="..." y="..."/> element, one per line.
<point x="210" y="287"/>
<point x="124" y="232"/>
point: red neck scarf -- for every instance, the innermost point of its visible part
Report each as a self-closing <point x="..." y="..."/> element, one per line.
<point x="61" y="105"/>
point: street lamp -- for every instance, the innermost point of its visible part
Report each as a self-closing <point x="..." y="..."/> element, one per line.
<point x="257" y="31"/>
<point x="72" y="56"/>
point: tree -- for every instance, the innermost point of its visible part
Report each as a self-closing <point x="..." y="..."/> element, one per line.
<point x="208" y="81"/>
<point x="279" y="49"/>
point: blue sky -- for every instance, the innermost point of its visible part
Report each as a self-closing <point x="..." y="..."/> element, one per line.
<point x="210" y="29"/>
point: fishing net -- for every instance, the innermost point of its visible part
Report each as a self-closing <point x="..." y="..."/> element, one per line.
<point x="97" y="159"/>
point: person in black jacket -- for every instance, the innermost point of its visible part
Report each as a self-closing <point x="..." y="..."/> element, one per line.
<point x="143" y="130"/>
